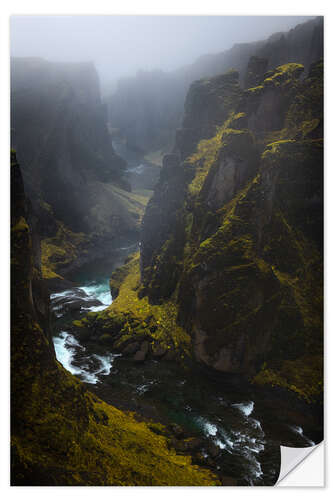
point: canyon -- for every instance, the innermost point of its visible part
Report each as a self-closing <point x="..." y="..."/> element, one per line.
<point x="167" y="309"/>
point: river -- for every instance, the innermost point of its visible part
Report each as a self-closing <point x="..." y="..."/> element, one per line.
<point x="240" y="429"/>
<point x="229" y="415"/>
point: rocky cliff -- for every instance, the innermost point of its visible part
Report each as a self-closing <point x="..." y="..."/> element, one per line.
<point x="61" y="434"/>
<point x="231" y="251"/>
<point x="250" y="283"/>
<point x="72" y="175"/>
<point x="148" y="108"/>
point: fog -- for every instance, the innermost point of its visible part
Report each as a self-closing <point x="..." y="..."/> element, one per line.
<point x="122" y="45"/>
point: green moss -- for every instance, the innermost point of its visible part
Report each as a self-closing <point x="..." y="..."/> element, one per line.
<point x="133" y="203"/>
<point x="118" y="277"/>
<point x="302" y="376"/>
<point x="78" y="323"/>
<point x="274" y="149"/>
<point x="283" y="74"/>
<point x="60" y="250"/>
<point x="131" y="316"/>
<point x="281" y="77"/>
<point x="208" y="150"/>
<point x="21" y="225"/>
<point x="255" y="90"/>
<point x="73" y="438"/>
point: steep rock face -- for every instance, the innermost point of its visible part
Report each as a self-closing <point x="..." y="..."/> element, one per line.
<point x="149" y="121"/>
<point x="256" y="69"/>
<point x="208" y="104"/>
<point x="249" y="264"/>
<point x="140" y="109"/>
<point x="60" y="433"/>
<point x="58" y="125"/>
<point x="162" y="232"/>
<point x="72" y="175"/>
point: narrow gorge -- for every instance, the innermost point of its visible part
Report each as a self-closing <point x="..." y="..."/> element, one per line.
<point x="167" y="268"/>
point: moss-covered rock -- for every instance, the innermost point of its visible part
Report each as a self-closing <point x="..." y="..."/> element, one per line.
<point x="132" y="320"/>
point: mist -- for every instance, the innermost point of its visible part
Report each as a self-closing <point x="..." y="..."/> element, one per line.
<point x="119" y="46"/>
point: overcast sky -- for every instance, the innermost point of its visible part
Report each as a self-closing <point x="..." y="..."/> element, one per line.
<point x="121" y="45"/>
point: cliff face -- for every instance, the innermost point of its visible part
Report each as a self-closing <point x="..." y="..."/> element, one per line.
<point x="148" y="121"/>
<point x="72" y="175"/>
<point x="60" y="433"/>
<point x="249" y="260"/>
<point x="231" y="249"/>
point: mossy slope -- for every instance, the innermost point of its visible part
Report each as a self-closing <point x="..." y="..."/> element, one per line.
<point x="132" y="321"/>
<point x="114" y="212"/>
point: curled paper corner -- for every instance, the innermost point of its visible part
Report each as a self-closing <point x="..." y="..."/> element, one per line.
<point x="292" y="458"/>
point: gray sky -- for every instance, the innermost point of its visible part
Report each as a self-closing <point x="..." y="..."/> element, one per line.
<point x="121" y="45"/>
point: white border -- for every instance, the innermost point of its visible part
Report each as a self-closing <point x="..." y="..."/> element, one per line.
<point x="177" y="7"/>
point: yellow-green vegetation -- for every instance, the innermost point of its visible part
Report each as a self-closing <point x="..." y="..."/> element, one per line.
<point x="146" y="194"/>
<point x="282" y="75"/>
<point x="74" y="438"/>
<point x="21" y="225"/>
<point x="255" y="90"/>
<point x="134" y="202"/>
<point x="208" y="151"/>
<point x="60" y="250"/>
<point x="115" y="210"/>
<point x="304" y="376"/>
<point x="305" y="114"/>
<point x="136" y="317"/>
<point x="273" y="149"/>
<point x="302" y="100"/>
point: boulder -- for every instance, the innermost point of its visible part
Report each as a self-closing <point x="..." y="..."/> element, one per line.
<point x="142" y="352"/>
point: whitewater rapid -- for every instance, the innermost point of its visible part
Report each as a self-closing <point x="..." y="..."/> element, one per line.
<point x="93" y="366"/>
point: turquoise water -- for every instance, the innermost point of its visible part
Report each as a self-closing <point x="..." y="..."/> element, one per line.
<point x="99" y="290"/>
